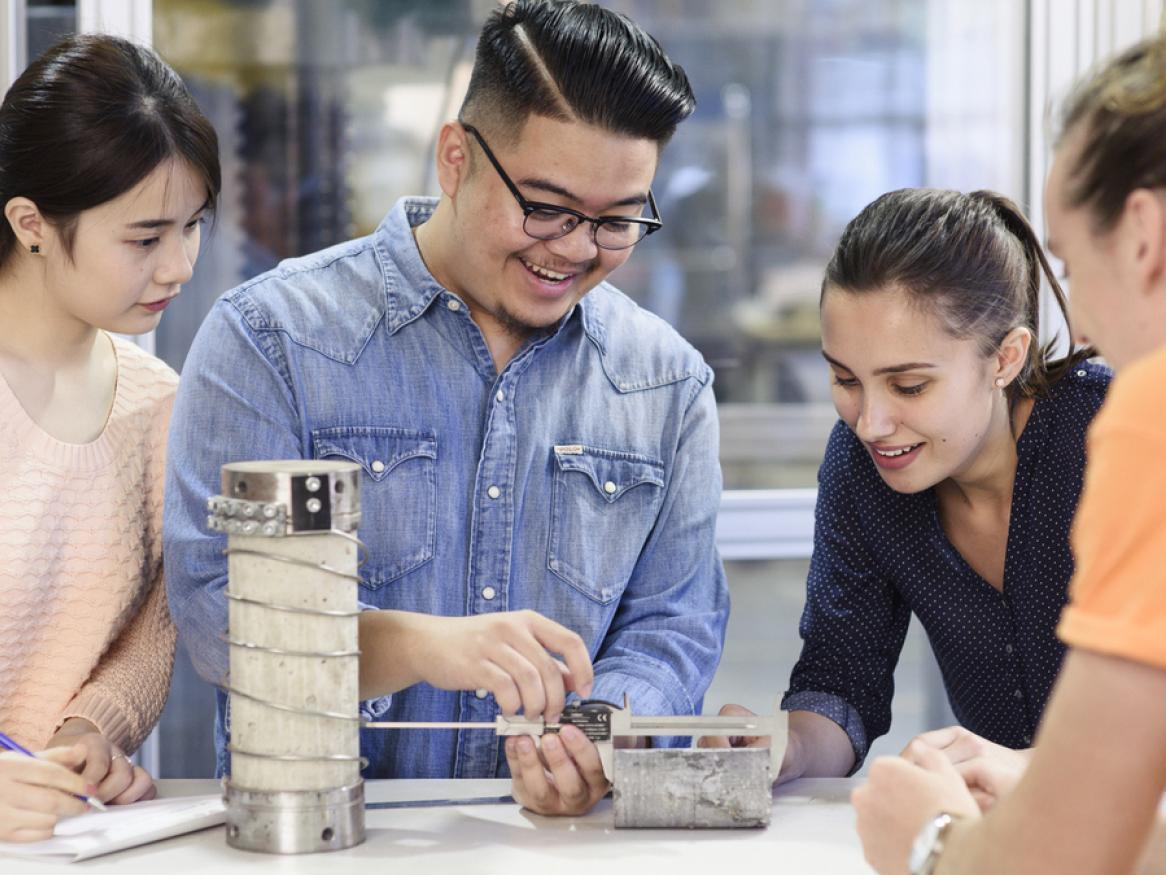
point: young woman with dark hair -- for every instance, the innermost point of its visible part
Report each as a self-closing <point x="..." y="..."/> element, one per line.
<point x="107" y="169"/>
<point x="950" y="483"/>
<point x="1089" y="799"/>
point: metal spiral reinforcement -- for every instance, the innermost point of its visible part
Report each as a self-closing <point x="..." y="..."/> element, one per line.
<point x="295" y="783"/>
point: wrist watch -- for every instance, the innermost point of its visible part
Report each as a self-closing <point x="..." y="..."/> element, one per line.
<point x="928" y="845"/>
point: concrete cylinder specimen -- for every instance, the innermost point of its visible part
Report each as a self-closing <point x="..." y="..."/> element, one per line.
<point x="295" y="783"/>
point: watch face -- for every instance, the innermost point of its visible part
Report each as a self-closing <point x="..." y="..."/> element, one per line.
<point x="921" y="847"/>
<point x="923" y="855"/>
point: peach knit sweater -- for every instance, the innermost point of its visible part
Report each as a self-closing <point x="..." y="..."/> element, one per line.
<point x="84" y="626"/>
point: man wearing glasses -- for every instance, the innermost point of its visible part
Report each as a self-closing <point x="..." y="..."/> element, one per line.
<point x="540" y="454"/>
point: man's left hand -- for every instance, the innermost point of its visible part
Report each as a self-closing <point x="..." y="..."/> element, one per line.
<point x="900" y="795"/>
<point x="561" y="776"/>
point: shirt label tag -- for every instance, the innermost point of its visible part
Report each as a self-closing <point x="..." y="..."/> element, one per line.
<point x="568" y="449"/>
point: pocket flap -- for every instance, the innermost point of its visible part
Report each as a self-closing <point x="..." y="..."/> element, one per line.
<point x="612" y="473"/>
<point x="378" y="450"/>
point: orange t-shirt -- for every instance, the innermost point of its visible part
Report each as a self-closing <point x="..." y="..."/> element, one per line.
<point x="1118" y="595"/>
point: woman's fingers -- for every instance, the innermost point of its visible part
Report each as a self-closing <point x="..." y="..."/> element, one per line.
<point x="141" y="788"/>
<point x="118" y="779"/>
<point x="41" y="771"/>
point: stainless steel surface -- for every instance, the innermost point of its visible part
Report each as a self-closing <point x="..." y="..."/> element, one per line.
<point x="621" y="723"/>
<point x="307" y="495"/>
<point x="442" y="803"/>
<point x="301" y="822"/>
<point x="694" y="725"/>
<point x="501" y="724"/>
<point x="697" y="726"/>
<point x="291" y="593"/>
<point x="692" y="789"/>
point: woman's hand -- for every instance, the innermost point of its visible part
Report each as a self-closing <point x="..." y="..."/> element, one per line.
<point x="815" y="745"/>
<point x="118" y="781"/>
<point x="899" y="796"/>
<point x="990" y="770"/>
<point x="36" y="792"/>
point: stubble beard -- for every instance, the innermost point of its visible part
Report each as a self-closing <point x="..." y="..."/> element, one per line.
<point x="513" y="325"/>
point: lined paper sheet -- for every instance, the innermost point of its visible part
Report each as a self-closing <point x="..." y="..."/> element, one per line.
<point x="123" y="826"/>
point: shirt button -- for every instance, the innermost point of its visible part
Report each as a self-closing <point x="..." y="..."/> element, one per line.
<point x="481" y="694"/>
<point x="1017" y="694"/>
<point x="378" y="466"/>
<point x="454" y="304"/>
<point x="1007" y="648"/>
<point x="501" y="396"/>
<point x="493" y="492"/>
<point x="488" y="594"/>
<point x="609" y="487"/>
<point x="1080" y="373"/>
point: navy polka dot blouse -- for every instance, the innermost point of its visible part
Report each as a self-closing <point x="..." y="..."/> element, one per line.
<point x="879" y="556"/>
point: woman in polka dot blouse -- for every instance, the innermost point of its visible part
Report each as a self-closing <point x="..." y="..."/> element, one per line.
<point x="950" y="483"/>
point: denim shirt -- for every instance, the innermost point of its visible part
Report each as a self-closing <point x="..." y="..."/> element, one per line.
<point x="581" y="482"/>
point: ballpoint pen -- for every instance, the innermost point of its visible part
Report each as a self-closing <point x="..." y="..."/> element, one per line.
<point x="7" y="742"/>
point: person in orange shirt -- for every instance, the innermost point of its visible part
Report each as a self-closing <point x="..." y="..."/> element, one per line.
<point x="1087" y="801"/>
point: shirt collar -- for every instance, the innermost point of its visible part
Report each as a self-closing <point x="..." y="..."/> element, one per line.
<point x="410" y="288"/>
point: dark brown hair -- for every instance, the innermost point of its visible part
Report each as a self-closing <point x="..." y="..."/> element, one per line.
<point x="574" y="62"/>
<point x="1121" y="110"/>
<point x="972" y="259"/>
<point x="90" y="119"/>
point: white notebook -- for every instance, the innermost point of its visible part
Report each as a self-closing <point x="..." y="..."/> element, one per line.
<point x="123" y="826"/>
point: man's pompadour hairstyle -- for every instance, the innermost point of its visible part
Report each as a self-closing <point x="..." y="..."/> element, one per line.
<point x="574" y="62"/>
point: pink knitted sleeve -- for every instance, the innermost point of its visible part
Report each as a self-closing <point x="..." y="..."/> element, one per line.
<point x="125" y="692"/>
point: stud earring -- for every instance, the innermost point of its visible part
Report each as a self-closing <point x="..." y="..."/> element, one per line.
<point x="34" y="249"/>
<point x="999" y="382"/>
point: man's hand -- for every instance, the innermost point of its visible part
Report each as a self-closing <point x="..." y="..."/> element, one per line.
<point x="36" y="792"/>
<point x="560" y="776"/>
<point x="901" y="794"/>
<point x="990" y="770"/>
<point x="118" y="781"/>
<point x="508" y="654"/>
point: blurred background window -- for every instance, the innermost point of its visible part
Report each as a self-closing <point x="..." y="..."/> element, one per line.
<point x="806" y="111"/>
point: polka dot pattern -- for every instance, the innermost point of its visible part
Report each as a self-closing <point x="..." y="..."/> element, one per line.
<point x="880" y="556"/>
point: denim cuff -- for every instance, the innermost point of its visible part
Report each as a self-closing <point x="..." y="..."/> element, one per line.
<point x="645" y="698"/>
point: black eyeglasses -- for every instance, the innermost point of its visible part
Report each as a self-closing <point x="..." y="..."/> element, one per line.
<point x="550" y="221"/>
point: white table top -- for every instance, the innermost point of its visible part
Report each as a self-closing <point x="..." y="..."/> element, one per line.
<point x="812" y="831"/>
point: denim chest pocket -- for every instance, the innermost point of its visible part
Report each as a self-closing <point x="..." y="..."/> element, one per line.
<point x="398" y="495"/>
<point x="603" y="506"/>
